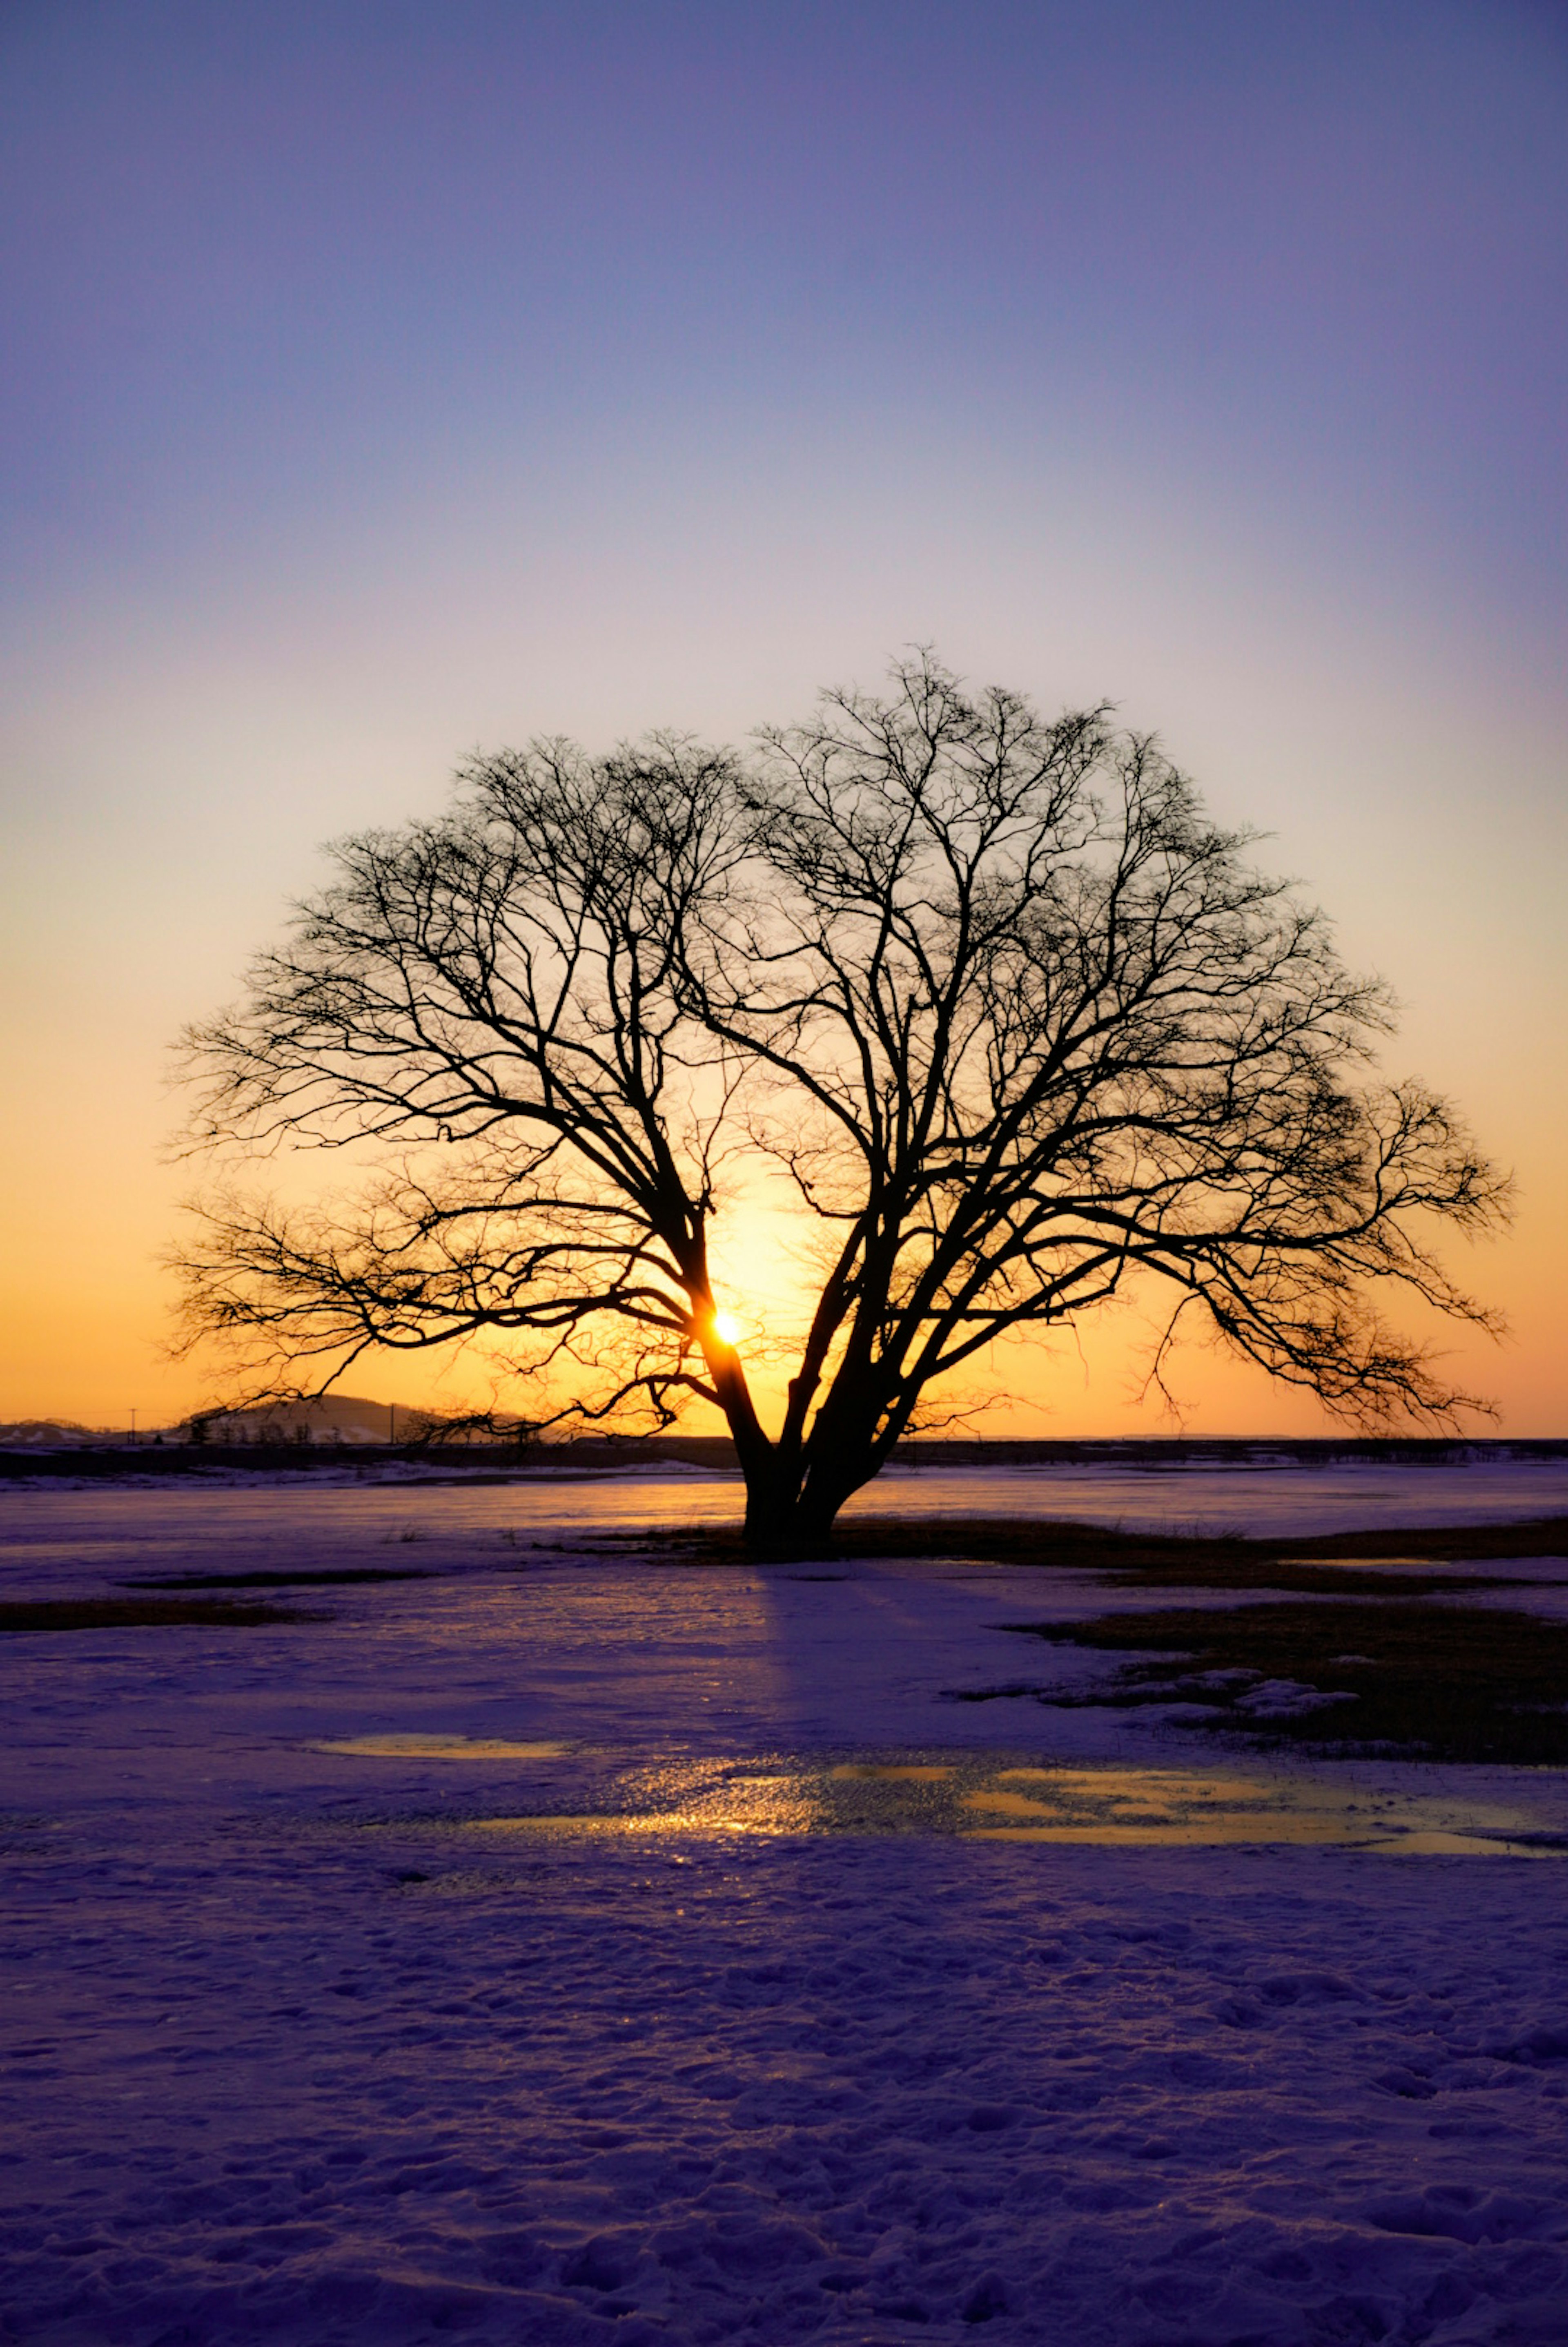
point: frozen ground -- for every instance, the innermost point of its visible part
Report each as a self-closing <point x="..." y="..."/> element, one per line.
<point x="315" y="2045"/>
<point x="1260" y="1495"/>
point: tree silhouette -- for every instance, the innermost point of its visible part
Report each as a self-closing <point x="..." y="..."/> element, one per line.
<point x="1014" y="1019"/>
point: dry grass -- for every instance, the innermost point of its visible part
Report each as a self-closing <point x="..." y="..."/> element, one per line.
<point x="348" y="1575"/>
<point x="143" y="1613"/>
<point x="1143" y="1559"/>
<point x="1440" y="1682"/>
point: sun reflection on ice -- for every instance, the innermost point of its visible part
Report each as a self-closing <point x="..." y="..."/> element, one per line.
<point x="764" y="1805"/>
<point x="1189" y="1808"/>
<point x="983" y="1798"/>
<point x="439" y="1747"/>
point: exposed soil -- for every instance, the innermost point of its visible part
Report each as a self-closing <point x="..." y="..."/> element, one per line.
<point x="142" y="1614"/>
<point x="1442" y="1682"/>
<point x="301" y="1578"/>
<point x="1172" y="1560"/>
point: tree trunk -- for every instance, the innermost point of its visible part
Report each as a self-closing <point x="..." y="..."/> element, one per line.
<point x="791" y="1506"/>
<point x="794" y="1487"/>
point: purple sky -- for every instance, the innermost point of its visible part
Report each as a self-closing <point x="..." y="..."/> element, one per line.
<point x="264" y="258"/>
<point x="385" y="379"/>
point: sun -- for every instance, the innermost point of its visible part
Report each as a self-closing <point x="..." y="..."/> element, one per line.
<point x="727" y="1328"/>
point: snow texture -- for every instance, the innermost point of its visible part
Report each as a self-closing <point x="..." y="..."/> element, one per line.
<point x="316" y="2046"/>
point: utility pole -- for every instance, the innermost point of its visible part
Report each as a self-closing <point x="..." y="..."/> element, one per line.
<point x="133" y="1426"/>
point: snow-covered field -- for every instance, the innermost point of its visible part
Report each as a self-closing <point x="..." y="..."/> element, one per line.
<point x="1261" y="1496"/>
<point x="543" y="1952"/>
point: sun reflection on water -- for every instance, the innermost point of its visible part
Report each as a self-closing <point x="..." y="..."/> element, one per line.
<point x="684" y="1799"/>
<point x="976" y="1798"/>
<point x="439" y="1747"/>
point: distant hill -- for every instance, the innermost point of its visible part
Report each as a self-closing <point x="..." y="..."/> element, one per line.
<point x="336" y="1419"/>
<point x="45" y="1434"/>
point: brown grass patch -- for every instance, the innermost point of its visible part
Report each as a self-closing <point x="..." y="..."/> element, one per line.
<point x="348" y="1575"/>
<point x="143" y="1613"/>
<point x="1466" y="1683"/>
<point x="1137" y="1558"/>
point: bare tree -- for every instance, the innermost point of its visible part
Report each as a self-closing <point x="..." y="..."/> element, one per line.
<point x="1015" y="1020"/>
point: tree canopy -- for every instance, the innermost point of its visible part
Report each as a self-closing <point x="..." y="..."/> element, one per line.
<point x="1014" y="1019"/>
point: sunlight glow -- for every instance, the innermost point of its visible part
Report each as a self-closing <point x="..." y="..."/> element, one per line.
<point x="1099" y="1807"/>
<point x="727" y="1328"/>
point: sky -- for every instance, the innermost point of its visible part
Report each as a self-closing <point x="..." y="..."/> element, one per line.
<point x="385" y="382"/>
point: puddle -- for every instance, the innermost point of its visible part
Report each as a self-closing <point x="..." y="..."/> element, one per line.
<point x="1187" y="1808"/>
<point x="993" y="1798"/>
<point x="742" y="1805"/>
<point x="1157" y="1805"/>
<point x="1371" y="1563"/>
<point x="439" y="1747"/>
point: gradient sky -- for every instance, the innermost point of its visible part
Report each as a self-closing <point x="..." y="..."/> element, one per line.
<point x="385" y="381"/>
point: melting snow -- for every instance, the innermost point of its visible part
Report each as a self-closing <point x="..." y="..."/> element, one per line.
<point x="319" y="2032"/>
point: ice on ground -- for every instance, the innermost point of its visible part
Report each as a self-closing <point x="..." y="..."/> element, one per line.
<point x="967" y="1794"/>
<point x="392" y="1504"/>
<point x="439" y="1747"/>
<point x="307" y="2043"/>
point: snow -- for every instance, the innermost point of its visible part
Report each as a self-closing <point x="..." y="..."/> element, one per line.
<point x="1259" y="1493"/>
<point x="320" y="2031"/>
